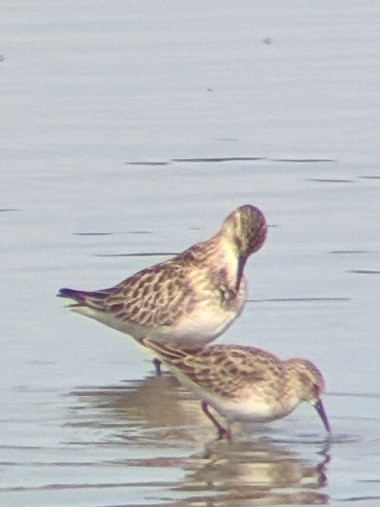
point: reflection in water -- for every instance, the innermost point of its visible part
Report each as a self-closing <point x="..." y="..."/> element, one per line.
<point x="154" y="408"/>
<point x="253" y="158"/>
<point x="140" y="254"/>
<point x="299" y="300"/>
<point x="330" y="180"/>
<point x="159" y="415"/>
<point x="365" y="271"/>
<point x="257" y="473"/>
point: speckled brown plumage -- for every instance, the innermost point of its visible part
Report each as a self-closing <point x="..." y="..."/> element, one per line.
<point x="190" y="299"/>
<point x="244" y="383"/>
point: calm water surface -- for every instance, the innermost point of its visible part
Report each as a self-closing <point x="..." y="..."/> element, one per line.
<point x="129" y="131"/>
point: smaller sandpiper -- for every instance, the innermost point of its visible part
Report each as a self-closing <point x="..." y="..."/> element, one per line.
<point x="244" y="383"/>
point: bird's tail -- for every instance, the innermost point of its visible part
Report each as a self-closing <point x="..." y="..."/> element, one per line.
<point x="80" y="296"/>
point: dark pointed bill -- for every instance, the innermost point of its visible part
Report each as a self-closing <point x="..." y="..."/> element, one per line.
<point x="240" y="271"/>
<point x="322" y="414"/>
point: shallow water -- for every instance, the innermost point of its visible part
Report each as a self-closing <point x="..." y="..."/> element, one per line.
<point x="129" y="130"/>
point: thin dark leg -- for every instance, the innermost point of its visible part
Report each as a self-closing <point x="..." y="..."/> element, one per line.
<point x="157" y="365"/>
<point x="222" y="432"/>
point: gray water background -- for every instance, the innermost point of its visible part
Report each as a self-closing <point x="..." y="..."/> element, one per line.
<point x="129" y="130"/>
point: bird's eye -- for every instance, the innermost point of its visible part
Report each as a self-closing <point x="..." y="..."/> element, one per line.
<point x="316" y="390"/>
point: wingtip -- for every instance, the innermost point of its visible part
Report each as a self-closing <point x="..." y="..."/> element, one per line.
<point x="63" y="293"/>
<point x="71" y="294"/>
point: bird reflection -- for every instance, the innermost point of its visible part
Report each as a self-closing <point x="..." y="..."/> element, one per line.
<point x="257" y="469"/>
<point x="156" y="407"/>
<point x="258" y="473"/>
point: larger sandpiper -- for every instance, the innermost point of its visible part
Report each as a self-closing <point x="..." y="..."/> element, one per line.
<point x="243" y="383"/>
<point x="187" y="300"/>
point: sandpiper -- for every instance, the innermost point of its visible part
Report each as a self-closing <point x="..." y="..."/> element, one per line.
<point x="187" y="300"/>
<point x="244" y="383"/>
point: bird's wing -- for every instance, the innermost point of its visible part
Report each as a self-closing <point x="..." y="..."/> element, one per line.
<point x="152" y="297"/>
<point x="220" y="369"/>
